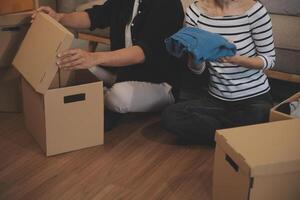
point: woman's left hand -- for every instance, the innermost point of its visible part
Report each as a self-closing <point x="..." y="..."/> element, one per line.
<point x="254" y="62"/>
<point x="229" y="59"/>
<point x="76" y="59"/>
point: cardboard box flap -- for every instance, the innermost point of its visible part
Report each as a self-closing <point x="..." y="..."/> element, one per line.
<point x="36" y="58"/>
<point x="14" y="6"/>
<point x="18" y="19"/>
<point x="295" y="97"/>
<point x="271" y="148"/>
<point x="276" y="115"/>
<point x="235" y="159"/>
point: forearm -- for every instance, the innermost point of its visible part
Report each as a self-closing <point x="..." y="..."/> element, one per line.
<point x="119" y="58"/>
<point x="77" y="20"/>
<point x="248" y="62"/>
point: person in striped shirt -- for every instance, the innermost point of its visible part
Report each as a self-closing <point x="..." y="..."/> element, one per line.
<point x="239" y="91"/>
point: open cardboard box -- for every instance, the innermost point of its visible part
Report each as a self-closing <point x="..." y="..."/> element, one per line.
<point x="16" y="6"/>
<point x="259" y="162"/>
<point x="63" y="110"/>
<point x="13" y="6"/>
<point x="276" y="115"/>
<point x="13" y="29"/>
<point x="10" y="91"/>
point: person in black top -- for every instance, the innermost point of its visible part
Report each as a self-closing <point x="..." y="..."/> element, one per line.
<point x="138" y="29"/>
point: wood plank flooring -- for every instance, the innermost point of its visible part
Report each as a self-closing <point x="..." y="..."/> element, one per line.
<point x="138" y="161"/>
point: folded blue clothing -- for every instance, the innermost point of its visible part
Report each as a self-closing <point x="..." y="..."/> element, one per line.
<point x="203" y="45"/>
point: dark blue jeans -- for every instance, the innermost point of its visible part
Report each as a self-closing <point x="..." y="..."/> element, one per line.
<point x="198" y="120"/>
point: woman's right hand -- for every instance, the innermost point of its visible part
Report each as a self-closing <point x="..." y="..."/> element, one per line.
<point x="49" y="11"/>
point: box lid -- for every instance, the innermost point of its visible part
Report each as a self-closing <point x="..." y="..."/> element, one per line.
<point x="36" y="58"/>
<point x="295" y="97"/>
<point x="23" y="18"/>
<point x="270" y="148"/>
<point x="15" y="6"/>
<point x="276" y="115"/>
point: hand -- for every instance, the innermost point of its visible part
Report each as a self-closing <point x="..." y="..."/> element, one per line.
<point x="76" y="59"/>
<point x="229" y="59"/>
<point x="49" y="11"/>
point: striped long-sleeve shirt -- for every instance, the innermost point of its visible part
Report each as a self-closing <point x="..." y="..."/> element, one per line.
<point x="252" y="34"/>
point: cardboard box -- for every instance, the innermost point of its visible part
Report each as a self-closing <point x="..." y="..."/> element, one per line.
<point x="61" y="119"/>
<point x="276" y="115"/>
<point x="258" y="162"/>
<point x="10" y="91"/>
<point x="13" y="6"/>
<point x="16" y="6"/>
<point x="13" y="29"/>
<point x="15" y="19"/>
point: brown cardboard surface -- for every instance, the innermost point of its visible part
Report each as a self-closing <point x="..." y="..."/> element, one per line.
<point x="8" y="7"/>
<point x="34" y="114"/>
<point x="36" y="58"/>
<point x="228" y="183"/>
<point x="14" y="6"/>
<point x="12" y="31"/>
<point x="271" y="148"/>
<point x="11" y="38"/>
<point x="60" y="113"/>
<point x="60" y="121"/>
<point x="84" y="114"/>
<point x="279" y="187"/>
<point x="10" y="91"/>
<point x="272" y="154"/>
<point x="276" y="115"/>
<point x="66" y="78"/>
<point x="236" y="156"/>
<point x="15" y="19"/>
<point x="9" y="74"/>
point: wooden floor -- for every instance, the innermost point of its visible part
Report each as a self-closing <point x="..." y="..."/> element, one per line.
<point x="138" y="161"/>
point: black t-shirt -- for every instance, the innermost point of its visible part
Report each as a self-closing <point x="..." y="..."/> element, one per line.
<point x="155" y="21"/>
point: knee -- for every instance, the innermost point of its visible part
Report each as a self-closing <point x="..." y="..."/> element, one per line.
<point x="133" y="96"/>
<point x="188" y="125"/>
<point x="258" y="113"/>
<point x="118" y="98"/>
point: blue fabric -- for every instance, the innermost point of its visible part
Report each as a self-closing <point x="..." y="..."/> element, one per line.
<point x="203" y="45"/>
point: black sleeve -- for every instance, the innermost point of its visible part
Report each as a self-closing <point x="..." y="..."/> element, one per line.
<point x="100" y="15"/>
<point x="164" y="19"/>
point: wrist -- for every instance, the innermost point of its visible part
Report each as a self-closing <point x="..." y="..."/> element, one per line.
<point x="236" y="60"/>
<point x="99" y="58"/>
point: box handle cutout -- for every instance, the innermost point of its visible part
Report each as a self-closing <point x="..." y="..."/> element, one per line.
<point x="11" y="29"/>
<point x="74" y="98"/>
<point x="232" y="163"/>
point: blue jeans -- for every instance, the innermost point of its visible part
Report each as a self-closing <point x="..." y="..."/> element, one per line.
<point x="197" y="120"/>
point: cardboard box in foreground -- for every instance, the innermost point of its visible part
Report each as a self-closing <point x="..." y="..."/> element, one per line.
<point x="276" y="115"/>
<point x="258" y="162"/>
<point x="62" y="115"/>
